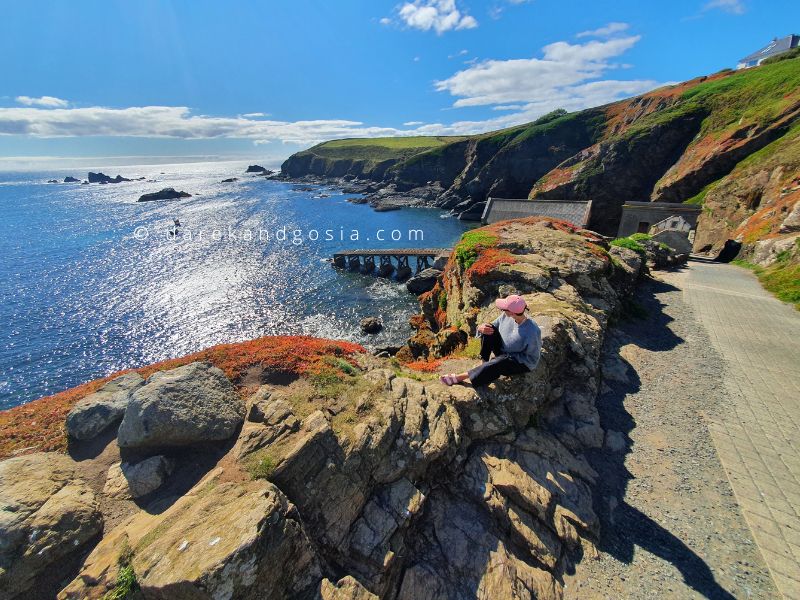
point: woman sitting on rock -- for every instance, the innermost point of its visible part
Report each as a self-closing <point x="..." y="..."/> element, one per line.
<point x="515" y="340"/>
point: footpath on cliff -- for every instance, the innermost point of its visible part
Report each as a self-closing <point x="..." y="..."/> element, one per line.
<point x="700" y="499"/>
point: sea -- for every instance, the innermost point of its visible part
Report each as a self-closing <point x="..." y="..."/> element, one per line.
<point x="92" y="281"/>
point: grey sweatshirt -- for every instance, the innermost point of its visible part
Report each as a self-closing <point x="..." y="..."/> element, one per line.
<point x="521" y="342"/>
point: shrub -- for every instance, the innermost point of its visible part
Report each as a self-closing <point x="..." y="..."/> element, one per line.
<point x="630" y="244"/>
<point x="263" y="468"/>
<point x="126" y="586"/>
<point x="640" y="237"/>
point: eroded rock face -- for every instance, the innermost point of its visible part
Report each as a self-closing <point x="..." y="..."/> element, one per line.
<point x="102" y="409"/>
<point x="191" y="404"/>
<point x="401" y="487"/>
<point x="221" y="540"/>
<point x="46" y="515"/>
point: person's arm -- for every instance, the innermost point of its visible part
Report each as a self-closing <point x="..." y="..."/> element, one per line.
<point x="533" y="349"/>
<point x="494" y="324"/>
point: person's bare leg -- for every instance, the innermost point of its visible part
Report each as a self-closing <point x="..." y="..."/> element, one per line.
<point x="462" y="376"/>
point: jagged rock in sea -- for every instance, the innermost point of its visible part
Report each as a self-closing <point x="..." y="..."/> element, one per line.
<point x="103" y="178"/>
<point x="164" y="194"/>
<point x="371" y="325"/>
<point x="230" y="180"/>
<point x="358" y="476"/>
<point x="257" y="169"/>
<point x="69" y="179"/>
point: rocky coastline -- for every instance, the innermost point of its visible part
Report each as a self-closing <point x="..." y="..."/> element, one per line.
<point x="294" y="467"/>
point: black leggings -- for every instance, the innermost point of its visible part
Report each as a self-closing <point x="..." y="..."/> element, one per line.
<point x="501" y="364"/>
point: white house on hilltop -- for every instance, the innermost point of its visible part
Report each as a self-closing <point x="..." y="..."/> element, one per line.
<point x="775" y="47"/>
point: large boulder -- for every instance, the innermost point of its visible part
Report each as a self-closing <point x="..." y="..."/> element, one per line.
<point x="187" y="405"/>
<point x="47" y="515"/>
<point x="105" y="407"/>
<point x="221" y="540"/>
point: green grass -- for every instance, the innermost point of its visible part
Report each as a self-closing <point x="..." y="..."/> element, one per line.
<point x="467" y="249"/>
<point x="630" y="244"/>
<point x="699" y="198"/>
<point x="791" y="54"/>
<point x="263" y="468"/>
<point x="393" y="143"/>
<point x="781" y="279"/>
<point x="750" y="95"/>
<point x="639" y="237"/>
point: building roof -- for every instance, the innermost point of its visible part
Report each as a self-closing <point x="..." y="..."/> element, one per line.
<point x="776" y="46"/>
<point x="671" y="207"/>
<point x="574" y="211"/>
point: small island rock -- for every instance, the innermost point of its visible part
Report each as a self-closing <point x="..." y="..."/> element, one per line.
<point x="164" y="194"/>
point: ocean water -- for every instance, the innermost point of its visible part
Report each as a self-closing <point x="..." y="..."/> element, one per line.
<point x="92" y="282"/>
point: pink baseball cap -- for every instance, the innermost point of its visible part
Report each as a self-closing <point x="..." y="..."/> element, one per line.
<point x="513" y="303"/>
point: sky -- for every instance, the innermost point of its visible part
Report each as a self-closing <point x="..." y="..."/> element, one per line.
<point x="178" y="80"/>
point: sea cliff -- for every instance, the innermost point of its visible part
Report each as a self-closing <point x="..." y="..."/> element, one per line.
<point x="292" y="467"/>
<point x="691" y="142"/>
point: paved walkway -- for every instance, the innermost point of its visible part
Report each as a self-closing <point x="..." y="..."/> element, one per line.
<point x="758" y="437"/>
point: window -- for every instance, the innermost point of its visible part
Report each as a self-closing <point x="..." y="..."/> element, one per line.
<point x="644" y="227"/>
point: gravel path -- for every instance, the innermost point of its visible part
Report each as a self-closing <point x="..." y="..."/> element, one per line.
<point x="671" y="525"/>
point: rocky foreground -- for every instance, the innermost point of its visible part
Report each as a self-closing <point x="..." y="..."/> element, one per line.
<point x="293" y="467"/>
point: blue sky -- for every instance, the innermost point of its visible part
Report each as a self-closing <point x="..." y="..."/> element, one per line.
<point x="264" y="79"/>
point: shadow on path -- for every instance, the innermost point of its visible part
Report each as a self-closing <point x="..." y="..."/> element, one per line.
<point x="623" y="526"/>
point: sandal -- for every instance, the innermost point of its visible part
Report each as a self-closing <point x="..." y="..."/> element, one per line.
<point x="450" y="379"/>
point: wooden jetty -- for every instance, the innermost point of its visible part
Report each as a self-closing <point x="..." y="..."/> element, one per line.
<point x="357" y="260"/>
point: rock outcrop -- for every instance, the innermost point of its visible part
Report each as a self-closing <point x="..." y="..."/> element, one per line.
<point x="47" y="515"/>
<point x="357" y="477"/>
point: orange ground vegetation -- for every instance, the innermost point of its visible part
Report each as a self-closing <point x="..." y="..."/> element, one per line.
<point x="554" y="179"/>
<point x="764" y="223"/>
<point x="426" y="366"/>
<point x="488" y="260"/>
<point x="621" y="115"/>
<point x="39" y="425"/>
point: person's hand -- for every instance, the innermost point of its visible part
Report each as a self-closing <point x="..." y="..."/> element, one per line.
<point x="486" y="329"/>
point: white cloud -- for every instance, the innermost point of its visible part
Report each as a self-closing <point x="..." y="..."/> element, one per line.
<point x="606" y="31"/>
<point x="385" y="21"/>
<point x="412" y="123"/>
<point x="255" y="114"/>
<point x="735" y="7"/>
<point x="173" y="122"/>
<point x="564" y="77"/>
<point x="439" y="15"/>
<point x="46" y="101"/>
